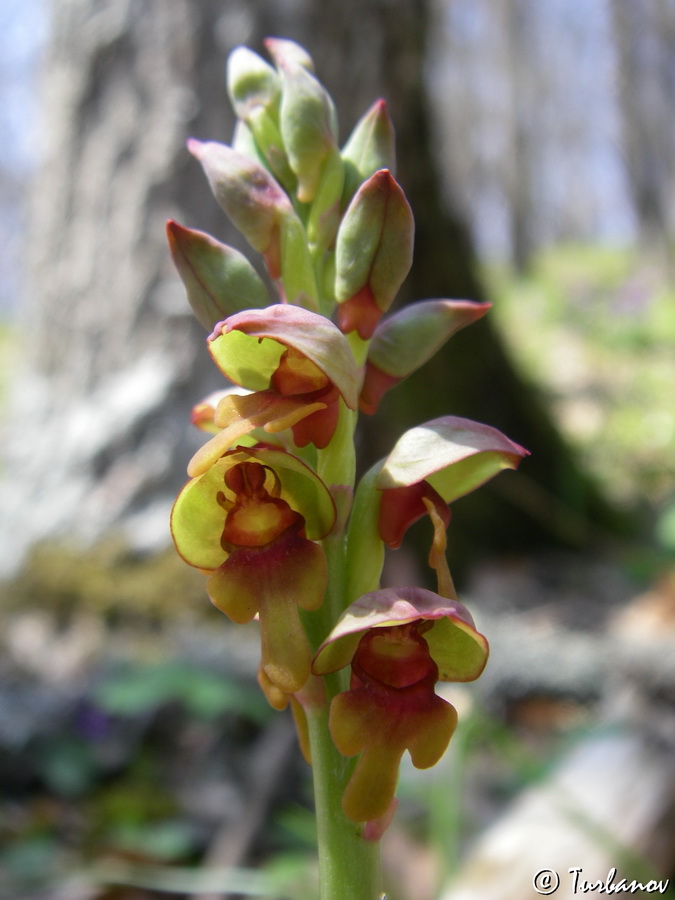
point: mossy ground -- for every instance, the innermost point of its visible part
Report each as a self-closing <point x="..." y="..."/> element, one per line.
<point x="106" y="579"/>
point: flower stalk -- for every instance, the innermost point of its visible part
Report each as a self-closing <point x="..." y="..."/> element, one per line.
<point x="272" y="513"/>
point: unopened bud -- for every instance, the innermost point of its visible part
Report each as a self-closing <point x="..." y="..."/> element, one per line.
<point x="307" y="126"/>
<point x="370" y="147"/>
<point x="218" y="279"/>
<point x="251" y="82"/>
<point x="284" y="51"/>
<point x="255" y="90"/>
<point x="251" y="197"/>
<point x="373" y="251"/>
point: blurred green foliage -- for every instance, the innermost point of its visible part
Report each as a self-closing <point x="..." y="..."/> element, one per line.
<point x="203" y="694"/>
<point x="594" y="329"/>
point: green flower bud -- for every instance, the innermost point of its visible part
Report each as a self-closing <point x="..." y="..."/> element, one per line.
<point x="250" y="196"/>
<point x="251" y="82"/>
<point x="373" y="252"/>
<point x="370" y="147"/>
<point x="255" y="90"/>
<point x="218" y="279"/>
<point x="284" y="51"/>
<point x="307" y="126"/>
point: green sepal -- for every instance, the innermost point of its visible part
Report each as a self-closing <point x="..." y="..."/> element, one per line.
<point x="219" y="280"/>
<point x="312" y="335"/>
<point x="454" y="455"/>
<point x="458" y="649"/>
<point x="197" y="517"/>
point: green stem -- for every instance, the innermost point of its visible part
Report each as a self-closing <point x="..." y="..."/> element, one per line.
<point x="349" y="866"/>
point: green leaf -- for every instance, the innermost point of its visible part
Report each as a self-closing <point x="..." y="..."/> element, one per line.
<point x="205" y="694"/>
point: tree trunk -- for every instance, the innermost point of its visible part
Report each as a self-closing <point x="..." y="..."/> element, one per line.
<point x="112" y="360"/>
<point x="645" y="38"/>
<point x="98" y="438"/>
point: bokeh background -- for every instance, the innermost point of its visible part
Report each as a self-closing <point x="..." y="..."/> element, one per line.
<point x="536" y="143"/>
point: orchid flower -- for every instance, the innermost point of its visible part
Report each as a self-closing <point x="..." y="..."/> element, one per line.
<point x="298" y="366"/>
<point x="251" y="522"/>
<point x="399" y="643"/>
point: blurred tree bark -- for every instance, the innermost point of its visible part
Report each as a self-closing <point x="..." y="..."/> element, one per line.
<point x="645" y="39"/>
<point x="514" y="16"/>
<point x="113" y="361"/>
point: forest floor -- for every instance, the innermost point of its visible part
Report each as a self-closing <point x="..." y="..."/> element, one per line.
<point x="136" y="749"/>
